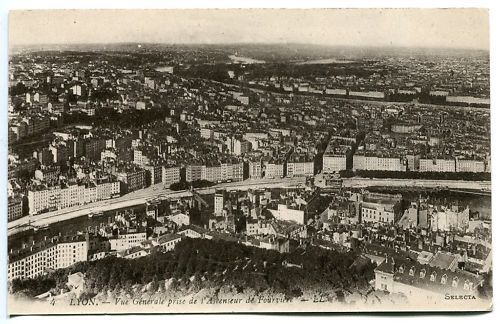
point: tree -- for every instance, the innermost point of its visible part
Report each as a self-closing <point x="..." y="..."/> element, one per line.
<point x="154" y="285"/>
<point x="318" y="268"/>
<point x="179" y="186"/>
<point x="18" y="89"/>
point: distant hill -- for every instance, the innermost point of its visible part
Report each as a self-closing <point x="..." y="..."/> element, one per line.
<point x="263" y="51"/>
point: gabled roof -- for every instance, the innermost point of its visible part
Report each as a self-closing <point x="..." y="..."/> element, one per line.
<point x="443" y="260"/>
<point x="167" y="238"/>
<point x="430" y="278"/>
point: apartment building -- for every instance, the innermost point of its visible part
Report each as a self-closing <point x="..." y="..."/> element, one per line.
<point x="15" y="208"/>
<point x="126" y="240"/>
<point x="170" y="175"/>
<point x="274" y="169"/>
<point x="469" y="165"/>
<point x="367" y="162"/>
<point x="295" y="169"/>
<point x="255" y="169"/>
<point x="57" y="253"/>
<point x="42" y="198"/>
<point x="132" y="179"/>
<point x="437" y="165"/>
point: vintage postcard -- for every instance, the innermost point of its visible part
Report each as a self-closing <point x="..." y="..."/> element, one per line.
<point x="251" y="160"/>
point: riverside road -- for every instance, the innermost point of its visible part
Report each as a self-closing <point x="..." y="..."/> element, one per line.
<point x="159" y="192"/>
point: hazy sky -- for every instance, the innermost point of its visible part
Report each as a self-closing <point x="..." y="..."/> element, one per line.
<point x="450" y="28"/>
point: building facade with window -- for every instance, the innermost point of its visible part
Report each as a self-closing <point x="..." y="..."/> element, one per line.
<point x="423" y="282"/>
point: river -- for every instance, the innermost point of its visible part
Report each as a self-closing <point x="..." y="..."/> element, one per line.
<point x="245" y="60"/>
<point x="325" y="61"/>
<point x="167" y="69"/>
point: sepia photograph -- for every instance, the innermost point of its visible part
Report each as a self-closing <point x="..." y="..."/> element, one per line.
<point x="248" y="161"/>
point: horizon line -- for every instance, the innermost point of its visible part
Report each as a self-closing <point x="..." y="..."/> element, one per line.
<point x="357" y="46"/>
